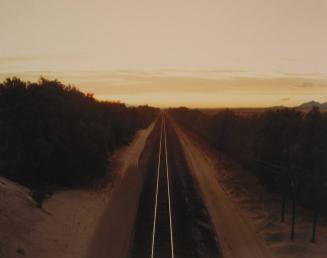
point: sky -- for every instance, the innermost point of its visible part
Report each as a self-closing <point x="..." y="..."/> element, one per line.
<point x="196" y="53"/>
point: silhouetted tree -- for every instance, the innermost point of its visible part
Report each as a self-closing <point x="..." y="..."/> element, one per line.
<point x="53" y="134"/>
<point x="285" y="146"/>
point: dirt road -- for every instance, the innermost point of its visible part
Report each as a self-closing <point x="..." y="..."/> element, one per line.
<point x="236" y="235"/>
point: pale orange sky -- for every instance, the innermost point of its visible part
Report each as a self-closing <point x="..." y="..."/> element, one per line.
<point x="208" y="53"/>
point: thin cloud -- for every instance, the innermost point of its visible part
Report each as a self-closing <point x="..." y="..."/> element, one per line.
<point x="306" y="85"/>
<point x="32" y="58"/>
<point x="18" y="59"/>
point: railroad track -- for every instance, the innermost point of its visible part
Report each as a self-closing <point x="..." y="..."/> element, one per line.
<point x="162" y="241"/>
<point x="172" y="221"/>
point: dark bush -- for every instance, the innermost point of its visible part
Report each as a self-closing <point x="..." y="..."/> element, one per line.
<point x="52" y="134"/>
<point x="281" y="147"/>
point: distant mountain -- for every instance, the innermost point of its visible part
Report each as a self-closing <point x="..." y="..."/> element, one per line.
<point x="311" y="104"/>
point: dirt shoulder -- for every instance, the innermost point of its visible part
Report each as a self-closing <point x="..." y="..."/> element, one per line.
<point x="256" y="208"/>
<point x="236" y="235"/>
<point x="66" y="225"/>
<point x="114" y="232"/>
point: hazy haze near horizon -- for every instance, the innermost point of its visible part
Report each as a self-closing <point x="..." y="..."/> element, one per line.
<point x="168" y="53"/>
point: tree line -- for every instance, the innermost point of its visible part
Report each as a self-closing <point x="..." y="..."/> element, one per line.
<point x="286" y="149"/>
<point x="54" y="135"/>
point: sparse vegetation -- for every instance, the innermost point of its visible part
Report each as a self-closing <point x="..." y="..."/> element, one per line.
<point x="54" y="135"/>
<point x="285" y="148"/>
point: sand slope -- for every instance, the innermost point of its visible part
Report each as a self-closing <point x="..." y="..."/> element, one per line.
<point x="236" y="236"/>
<point x="66" y="225"/>
<point x="256" y="208"/>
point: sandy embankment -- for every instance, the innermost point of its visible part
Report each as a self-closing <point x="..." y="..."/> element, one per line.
<point x="66" y="226"/>
<point x="236" y="237"/>
<point x="257" y="211"/>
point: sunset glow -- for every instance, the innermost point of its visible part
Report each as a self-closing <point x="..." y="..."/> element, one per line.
<point x="171" y="53"/>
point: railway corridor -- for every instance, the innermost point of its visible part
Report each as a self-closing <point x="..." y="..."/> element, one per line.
<point x="172" y="220"/>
